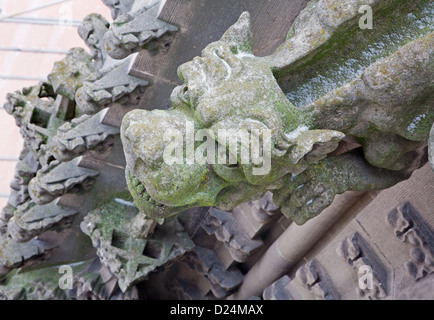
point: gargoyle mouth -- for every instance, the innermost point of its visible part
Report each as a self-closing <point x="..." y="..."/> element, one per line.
<point x="140" y="189"/>
<point x="148" y="205"/>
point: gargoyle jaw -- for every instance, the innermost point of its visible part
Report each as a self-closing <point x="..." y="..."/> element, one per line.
<point x="148" y="205"/>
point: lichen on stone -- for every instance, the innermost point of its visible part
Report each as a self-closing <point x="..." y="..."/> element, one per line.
<point x="383" y="101"/>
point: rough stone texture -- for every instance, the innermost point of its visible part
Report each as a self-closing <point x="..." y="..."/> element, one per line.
<point x="119" y="7"/>
<point x="91" y="281"/>
<point x="317" y="281"/>
<point x="223" y="282"/>
<point x="313" y="27"/>
<point x="111" y="85"/>
<point x="226" y="229"/>
<point x="256" y="216"/>
<point x="218" y="89"/>
<point x="12" y="253"/>
<point x="363" y="95"/>
<point x="392" y="235"/>
<point x="81" y="135"/>
<point x="96" y="282"/>
<point x="22" y="176"/>
<point x="30" y="220"/>
<point x="311" y="282"/>
<point x="135" y="31"/>
<point x="31" y="109"/>
<point x="357" y="253"/>
<point x="409" y="227"/>
<point x="92" y="32"/>
<point x="59" y="178"/>
<point x="276" y="291"/>
<point x="131" y="259"/>
<point x="387" y="94"/>
<point x="36" y="291"/>
<point x="69" y="74"/>
<point x="56" y="134"/>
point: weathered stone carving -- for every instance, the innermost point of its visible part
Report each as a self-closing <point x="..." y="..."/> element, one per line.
<point x="23" y="174"/>
<point x="38" y="291"/>
<point x="31" y="109"/>
<point x="409" y="227"/>
<point x="30" y="220"/>
<point x="25" y="170"/>
<point x="110" y="82"/>
<point x="96" y="282"/>
<point x="277" y="291"/>
<point x="92" y="31"/>
<point x="229" y="88"/>
<point x="81" y="135"/>
<point x="135" y="31"/>
<point x="56" y="136"/>
<point x="357" y="253"/>
<point x="131" y="259"/>
<point x="316" y="280"/>
<point x="69" y="74"/>
<point x="13" y="254"/>
<point x="109" y="86"/>
<point x="238" y="184"/>
<point x="58" y="178"/>
<point x="311" y="281"/>
<point x="256" y="216"/>
<point x="33" y="285"/>
<point x="91" y="281"/>
<point x="226" y="229"/>
<point x="222" y="281"/>
<point x="119" y="7"/>
<point x="40" y="111"/>
<point x="265" y="208"/>
<point x="328" y="82"/>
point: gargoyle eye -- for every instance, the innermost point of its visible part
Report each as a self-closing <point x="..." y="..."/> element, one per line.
<point x="184" y="95"/>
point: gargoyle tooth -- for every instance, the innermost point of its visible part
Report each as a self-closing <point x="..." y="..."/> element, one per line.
<point x="146" y="196"/>
<point x="141" y="188"/>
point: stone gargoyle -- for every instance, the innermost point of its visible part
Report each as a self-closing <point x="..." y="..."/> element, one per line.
<point x="386" y="111"/>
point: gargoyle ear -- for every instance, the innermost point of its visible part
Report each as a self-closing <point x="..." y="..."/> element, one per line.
<point x="314" y="145"/>
<point x="241" y="33"/>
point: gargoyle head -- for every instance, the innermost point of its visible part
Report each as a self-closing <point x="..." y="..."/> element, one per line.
<point x="227" y="92"/>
